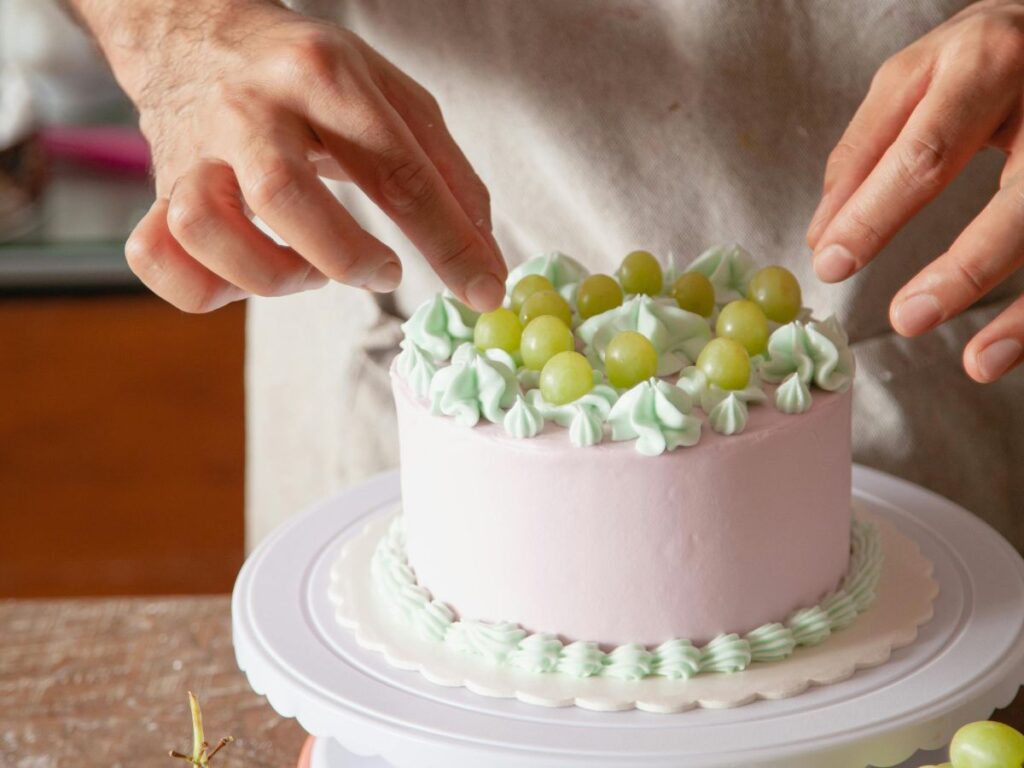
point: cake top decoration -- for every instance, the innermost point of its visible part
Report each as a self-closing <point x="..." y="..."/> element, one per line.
<point x="630" y="356"/>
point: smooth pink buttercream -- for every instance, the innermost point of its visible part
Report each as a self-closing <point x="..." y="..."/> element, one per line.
<point x="606" y="544"/>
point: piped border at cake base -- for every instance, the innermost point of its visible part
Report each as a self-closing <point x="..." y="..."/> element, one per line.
<point x="905" y="592"/>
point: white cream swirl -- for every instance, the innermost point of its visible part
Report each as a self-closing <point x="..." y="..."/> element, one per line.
<point x="564" y="272"/>
<point x="678" y="336"/>
<point x="475" y="384"/>
<point x="523" y="420"/>
<point x="729" y="268"/>
<point x="657" y="414"/>
<point x="416" y="367"/>
<point x="817" y="351"/>
<point x="439" y="325"/>
<point x="792" y="395"/>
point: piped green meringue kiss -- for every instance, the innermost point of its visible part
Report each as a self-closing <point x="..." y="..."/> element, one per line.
<point x="523" y="420"/>
<point x="678" y="336"/>
<point x="439" y="325"/>
<point x="475" y="384"/>
<point x="564" y="272"/>
<point x="727" y="410"/>
<point x="792" y="395"/>
<point x="816" y="351"/>
<point x="657" y="414"/>
<point x="729" y="268"/>
<point x="416" y="368"/>
<point x="584" y="417"/>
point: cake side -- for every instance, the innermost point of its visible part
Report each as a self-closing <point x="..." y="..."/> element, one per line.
<point x="609" y="545"/>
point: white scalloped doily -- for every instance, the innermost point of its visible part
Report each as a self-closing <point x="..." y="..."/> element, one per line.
<point x="903" y="603"/>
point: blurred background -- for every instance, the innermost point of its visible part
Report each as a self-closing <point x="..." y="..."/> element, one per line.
<point x="121" y="418"/>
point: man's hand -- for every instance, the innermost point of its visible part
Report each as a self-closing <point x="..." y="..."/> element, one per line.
<point x="244" y="103"/>
<point x="929" y="110"/>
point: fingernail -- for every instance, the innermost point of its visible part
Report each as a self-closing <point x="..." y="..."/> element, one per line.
<point x="996" y="359"/>
<point x="834" y="263"/>
<point x="485" y="292"/>
<point x="385" y="279"/>
<point x="917" y="314"/>
<point x="817" y="221"/>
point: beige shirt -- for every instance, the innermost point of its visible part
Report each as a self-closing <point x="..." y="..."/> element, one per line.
<point x="607" y="125"/>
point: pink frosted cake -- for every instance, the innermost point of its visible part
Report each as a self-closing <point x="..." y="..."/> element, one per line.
<point x="631" y="476"/>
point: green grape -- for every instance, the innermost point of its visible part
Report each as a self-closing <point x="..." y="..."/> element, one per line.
<point x="499" y="329"/>
<point x="987" y="745"/>
<point x="545" y="303"/>
<point x="629" y="359"/>
<point x="745" y="322"/>
<point x="694" y="293"/>
<point x="544" y="338"/>
<point x="597" y="294"/>
<point x="726" y="363"/>
<point x="777" y="292"/>
<point x="641" y="273"/>
<point x="566" y="377"/>
<point x="526" y="287"/>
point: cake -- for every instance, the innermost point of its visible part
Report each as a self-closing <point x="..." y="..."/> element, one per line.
<point x="645" y="474"/>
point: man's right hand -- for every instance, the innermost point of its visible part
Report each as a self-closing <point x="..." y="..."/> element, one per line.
<point x="244" y="104"/>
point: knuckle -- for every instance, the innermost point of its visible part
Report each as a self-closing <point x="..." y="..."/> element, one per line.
<point x="454" y="257"/>
<point x="922" y="163"/>
<point x="971" y="275"/>
<point x="316" y="54"/>
<point x="138" y="254"/>
<point x="271" y="184"/>
<point x="405" y="183"/>
<point x="895" y="69"/>
<point x="862" y="228"/>
<point x="187" y="217"/>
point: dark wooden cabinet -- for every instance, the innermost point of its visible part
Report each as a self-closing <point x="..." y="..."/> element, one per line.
<point x="121" y="446"/>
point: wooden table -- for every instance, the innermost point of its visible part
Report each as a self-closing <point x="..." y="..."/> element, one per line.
<point x="103" y="683"/>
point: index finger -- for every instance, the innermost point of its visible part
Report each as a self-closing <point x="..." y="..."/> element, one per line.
<point x="379" y="152"/>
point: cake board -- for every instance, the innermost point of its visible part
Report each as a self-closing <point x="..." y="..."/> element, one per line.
<point x="967" y="661"/>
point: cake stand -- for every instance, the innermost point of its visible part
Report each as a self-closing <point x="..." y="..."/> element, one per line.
<point x="363" y="713"/>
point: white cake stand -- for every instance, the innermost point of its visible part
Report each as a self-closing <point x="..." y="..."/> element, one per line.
<point x="967" y="662"/>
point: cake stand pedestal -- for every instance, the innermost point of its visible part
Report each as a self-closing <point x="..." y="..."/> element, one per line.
<point x="364" y="713"/>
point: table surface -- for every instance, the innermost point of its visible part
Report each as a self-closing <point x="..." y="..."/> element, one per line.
<point x="102" y="682"/>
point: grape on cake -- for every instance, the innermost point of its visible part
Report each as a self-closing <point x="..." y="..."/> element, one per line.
<point x="636" y="475"/>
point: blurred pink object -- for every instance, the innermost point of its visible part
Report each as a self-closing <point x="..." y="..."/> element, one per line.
<point x="112" y="147"/>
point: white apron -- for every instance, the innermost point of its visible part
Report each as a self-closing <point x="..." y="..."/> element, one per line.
<point x="600" y="127"/>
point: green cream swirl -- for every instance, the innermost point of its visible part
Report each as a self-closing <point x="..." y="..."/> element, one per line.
<point x="564" y="272"/>
<point x="694" y="383"/>
<point x="584" y="416"/>
<point x="729" y="416"/>
<point x="507" y="644"/>
<point x="657" y="415"/>
<point x="439" y="325"/>
<point x="729" y="268"/>
<point x="523" y="420"/>
<point x="416" y="367"/>
<point x="475" y="384"/>
<point x="678" y="336"/>
<point x="793" y="395"/>
<point x="818" y="352"/>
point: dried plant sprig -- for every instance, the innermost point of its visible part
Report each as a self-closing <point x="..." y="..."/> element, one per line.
<point x="201" y="754"/>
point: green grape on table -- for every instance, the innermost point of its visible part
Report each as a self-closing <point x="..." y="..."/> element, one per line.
<point x="745" y="322"/>
<point x="629" y="359"/>
<point x="640" y="272"/>
<point x="597" y="294"/>
<point x="987" y="744"/>
<point x="566" y="377"/>
<point x="777" y="291"/>
<point x="499" y="329"/>
<point x="543" y="338"/>
<point x="526" y="287"/>
<point x="726" y="363"/>
<point x="545" y="303"/>
<point x="694" y="293"/>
